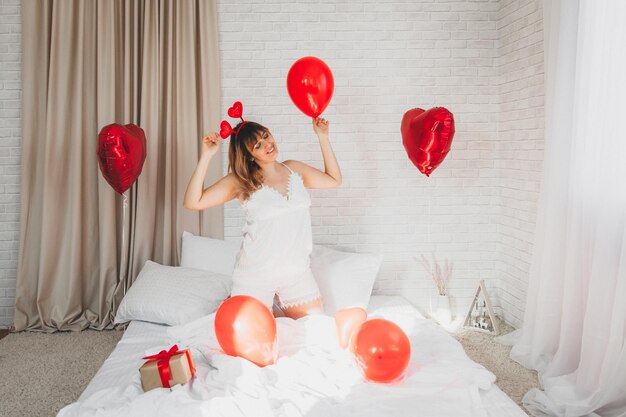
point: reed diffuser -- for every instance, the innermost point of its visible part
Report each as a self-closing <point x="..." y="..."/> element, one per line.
<point x="440" y="274"/>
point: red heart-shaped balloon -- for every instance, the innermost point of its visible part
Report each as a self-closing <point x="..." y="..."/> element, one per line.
<point x="310" y="85"/>
<point x="121" y="154"/>
<point x="225" y="129"/>
<point x="427" y="137"/>
<point x="236" y="110"/>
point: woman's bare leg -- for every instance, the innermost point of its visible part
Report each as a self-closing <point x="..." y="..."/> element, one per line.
<point x="301" y="310"/>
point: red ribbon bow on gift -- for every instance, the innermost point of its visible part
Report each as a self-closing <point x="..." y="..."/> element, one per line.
<point x="236" y="111"/>
<point x="163" y="364"/>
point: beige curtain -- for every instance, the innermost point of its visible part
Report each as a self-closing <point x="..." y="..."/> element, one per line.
<point x="88" y="64"/>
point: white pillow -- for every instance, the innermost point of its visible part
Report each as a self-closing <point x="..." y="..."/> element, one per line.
<point x="209" y="254"/>
<point x="345" y="279"/>
<point x="172" y="295"/>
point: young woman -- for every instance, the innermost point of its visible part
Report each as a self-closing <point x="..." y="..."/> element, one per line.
<point x="277" y="240"/>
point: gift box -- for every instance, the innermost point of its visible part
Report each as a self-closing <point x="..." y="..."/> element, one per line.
<point x="167" y="368"/>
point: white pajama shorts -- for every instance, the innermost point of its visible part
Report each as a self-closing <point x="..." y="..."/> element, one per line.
<point x="292" y="290"/>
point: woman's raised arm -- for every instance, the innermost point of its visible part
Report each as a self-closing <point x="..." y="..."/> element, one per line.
<point x="313" y="177"/>
<point x="220" y="192"/>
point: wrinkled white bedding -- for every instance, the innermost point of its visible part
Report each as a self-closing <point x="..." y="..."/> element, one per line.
<point x="312" y="377"/>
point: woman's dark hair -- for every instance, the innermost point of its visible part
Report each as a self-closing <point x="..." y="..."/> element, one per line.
<point x="240" y="160"/>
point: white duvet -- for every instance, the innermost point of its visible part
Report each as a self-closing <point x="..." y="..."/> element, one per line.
<point x="312" y="377"/>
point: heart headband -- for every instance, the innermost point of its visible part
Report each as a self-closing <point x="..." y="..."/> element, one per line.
<point x="235" y="112"/>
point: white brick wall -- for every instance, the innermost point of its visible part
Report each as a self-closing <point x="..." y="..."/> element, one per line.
<point x="10" y="136"/>
<point x="480" y="59"/>
<point x="386" y="59"/>
<point x="520" y="146"/>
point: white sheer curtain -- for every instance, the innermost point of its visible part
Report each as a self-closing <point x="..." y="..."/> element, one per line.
<point x="574" y="330"/>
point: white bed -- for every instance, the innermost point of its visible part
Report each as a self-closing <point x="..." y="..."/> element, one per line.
<point x="440" y="380"/>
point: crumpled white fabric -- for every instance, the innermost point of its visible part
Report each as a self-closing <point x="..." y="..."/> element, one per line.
<point x="312" y="377"/>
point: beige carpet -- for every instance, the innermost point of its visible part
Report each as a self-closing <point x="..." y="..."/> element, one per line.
<point x="511" y="377"/>
<point x="40" y="373"/>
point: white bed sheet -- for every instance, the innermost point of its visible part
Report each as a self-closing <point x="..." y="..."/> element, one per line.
<point x="120" y="368"/>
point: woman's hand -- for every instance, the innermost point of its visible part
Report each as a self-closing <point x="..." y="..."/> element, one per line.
<point x="210" y="144"/>
<point x="320" y="126"/>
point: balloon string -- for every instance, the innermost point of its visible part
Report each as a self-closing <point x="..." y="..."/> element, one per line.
<point x="430" y="220"/>
<point x="123" y="261"/>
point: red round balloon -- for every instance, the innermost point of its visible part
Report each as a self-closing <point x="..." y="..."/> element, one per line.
<point x="245" y="327"/>
<point x="121" y="153"/>
<point x="427" y="137"/>
<point x="310" y="85"/>
<point x="381" y="349"/>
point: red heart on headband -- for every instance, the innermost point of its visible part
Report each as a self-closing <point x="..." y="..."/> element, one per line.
<point x="236" y="110"/>
<point x="225" y="128"/>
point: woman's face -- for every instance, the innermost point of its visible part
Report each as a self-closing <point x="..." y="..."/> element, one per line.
<point x="265" y="149"/>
